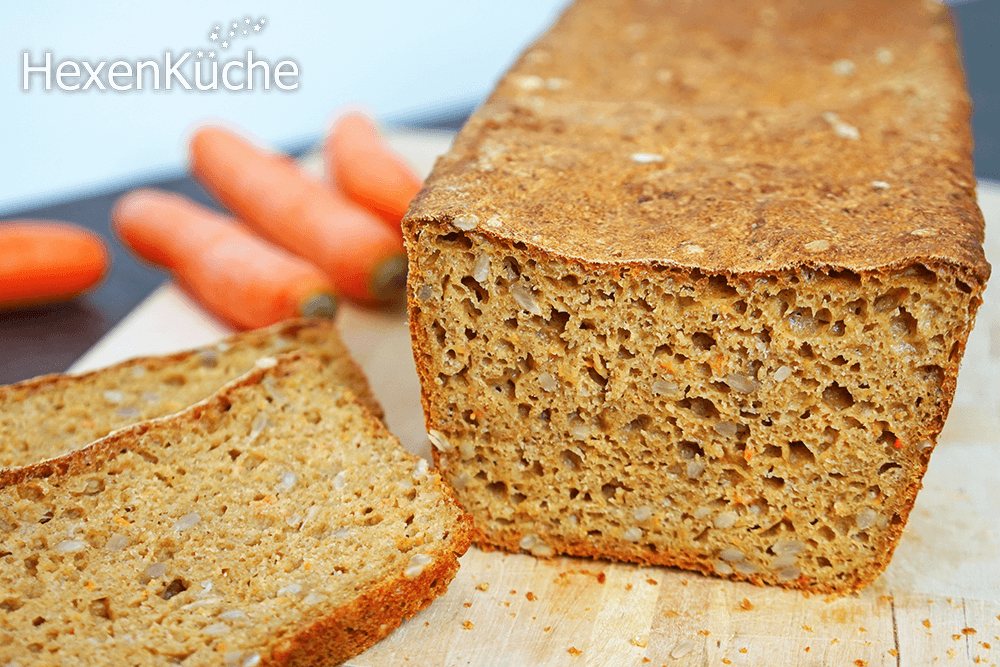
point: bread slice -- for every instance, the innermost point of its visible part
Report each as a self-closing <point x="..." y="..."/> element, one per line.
<point x="51" y="415"/>
<point x="275" y="523"/>
<point x="692" y="286"/>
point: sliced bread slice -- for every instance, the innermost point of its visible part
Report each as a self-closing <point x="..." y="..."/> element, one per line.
<point x="274" y="523"/>
<point x="54" y="414"/>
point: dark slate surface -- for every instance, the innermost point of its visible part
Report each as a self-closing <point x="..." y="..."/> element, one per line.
<point x="979" y="33"/>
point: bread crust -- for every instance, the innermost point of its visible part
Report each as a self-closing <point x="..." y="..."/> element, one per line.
<point x="739" y="171"/>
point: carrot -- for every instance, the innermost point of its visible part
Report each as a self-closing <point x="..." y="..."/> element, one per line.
<point x="367" y="170"/>
<point x="362" y="255"/>
<point x="236" y="275"/>
<point x="43" y="261"/>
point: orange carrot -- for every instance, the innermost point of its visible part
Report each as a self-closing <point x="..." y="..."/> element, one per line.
<point x="236" y="275"/>
<point x="42" y="261"/>
<point x="367" y="170"/>
<point x="361" y="254"/>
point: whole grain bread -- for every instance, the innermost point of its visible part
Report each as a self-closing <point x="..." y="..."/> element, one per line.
<point x="53" y="414"/>
<point x="277" y="522"/>
<point x="692" y="287"/>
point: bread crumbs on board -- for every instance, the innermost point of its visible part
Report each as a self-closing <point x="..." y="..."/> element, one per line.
<point x="572" y="650"/>
<point x="468" y="625"/>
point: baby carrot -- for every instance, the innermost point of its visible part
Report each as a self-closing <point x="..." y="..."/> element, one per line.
<point x="367" y="170"/>
<point x="236" y="275"/>
<point x="42" y="261"/>
<point x="361" y="254"/>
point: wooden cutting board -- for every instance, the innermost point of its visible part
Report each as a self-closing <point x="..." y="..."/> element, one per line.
<point x="938" y="602"/>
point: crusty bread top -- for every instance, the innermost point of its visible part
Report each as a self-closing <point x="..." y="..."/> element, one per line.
<point x="733" y="137"/>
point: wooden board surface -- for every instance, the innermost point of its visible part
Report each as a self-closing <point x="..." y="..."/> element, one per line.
<point x="938" y="602"/>
<point x="573" y="612"/>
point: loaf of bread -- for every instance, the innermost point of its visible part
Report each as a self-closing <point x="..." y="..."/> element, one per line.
<point x="691" y="288"/>
<point x="275" y="523"/>
<point x="51" y="415"/>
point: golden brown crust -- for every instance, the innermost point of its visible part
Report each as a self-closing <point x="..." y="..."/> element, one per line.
<point x="741" y="167"/>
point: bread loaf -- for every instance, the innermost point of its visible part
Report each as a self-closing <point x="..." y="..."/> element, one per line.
<point x="51" y="415"/>
<point x="275" y="523"/>
<point x="691" y="288"/>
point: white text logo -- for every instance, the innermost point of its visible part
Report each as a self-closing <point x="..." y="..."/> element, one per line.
<point x="189" y="70"/>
